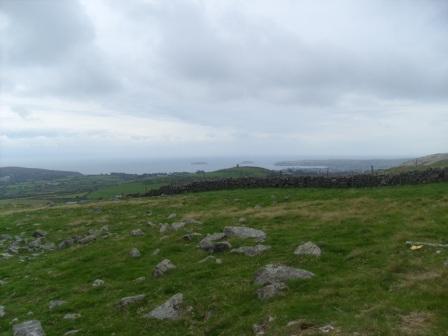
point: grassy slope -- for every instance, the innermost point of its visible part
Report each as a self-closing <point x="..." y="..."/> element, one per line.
<point x="367" y="280"/>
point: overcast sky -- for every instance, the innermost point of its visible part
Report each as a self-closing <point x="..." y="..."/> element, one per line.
<point x="103" y="78"/>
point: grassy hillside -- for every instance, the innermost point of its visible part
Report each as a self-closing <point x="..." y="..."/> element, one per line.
<point x="367" y="281"/>
<point x="423" y="163"/>
<point x="19" y="174"/>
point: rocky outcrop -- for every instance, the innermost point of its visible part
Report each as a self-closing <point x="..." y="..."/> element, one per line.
<point x="244" y="232"/>
<point x="308" y="248"/>
<point x="169" y="310"/>
<point x="28" y="328"/>
<point x="273" y="273"/>
<point x="162" y="267"/>
<point x="251" y="251"/>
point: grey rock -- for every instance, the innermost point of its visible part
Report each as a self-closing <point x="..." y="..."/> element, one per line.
<point x="135" y="253"/>
<point x="208" y="243"/>
<point x="251" y="251"/>
<point x="178" y="225"/>
<point x="170" y="310"/>
<point x="39" y="234"/>
<point x="140" y="279"/>
<point x="72" y="316"/>
<point x="98" y="283"/>
<point x="270" y="290"/>
<point x="66" y="243"/>
<point x="2" y="311"/>
<point x="164" y="227"/>
<point x="137" y="233"/>
<point x="53" y="304"/>
<point x="155" y="252"/>
<point x="87" y="239"/>
<point x="3" y="282"/>
<point x="162" y="267"/>
<point x="172" y="215"/>
<point x="129" y="300"/>
<point x="72" y="332"/>
<point x="445" y="263"/>
<point x="272" y="273"/>
<point x="244" y="232"/>
<point x="28" y="328"/>
<point x="191" y="221"/>
<point x="308" y="248"/>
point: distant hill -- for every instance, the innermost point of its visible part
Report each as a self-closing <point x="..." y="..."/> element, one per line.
<point x="20" y="174"/>
<point x="439" y="160"/>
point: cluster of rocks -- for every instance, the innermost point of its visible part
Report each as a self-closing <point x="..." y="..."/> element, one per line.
<point x="217" y="242"/>
<point x="19" y="244"/>
<point x="87" y="238"/>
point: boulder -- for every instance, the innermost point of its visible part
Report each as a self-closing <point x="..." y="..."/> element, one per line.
<point x="135" y="253"/>
<point x="270" y="290"/>
<point x="98" y="283"/>
<point x="66" y="243"/>
<point x="72" y="316"/>
<point x="244" y="232"/>
<point x="178" y="225"/>
<point x="308" y="248"/>
<point x="28" y="328"/>
<point x="87" y="239"/>
<point x="169" y="310"/>
<point x="272" y="273"/>
<point x="137" y="233"/>
<point x="209" y="243"/>
<point x="162" y="267"/>
<point x="251" y="251"/>
<point x="53" y="304"/>
<point x="126" y="301"/>
<point x="2" y="311"/>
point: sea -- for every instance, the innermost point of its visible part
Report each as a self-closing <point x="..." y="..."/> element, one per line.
<point x="193" y="164"/>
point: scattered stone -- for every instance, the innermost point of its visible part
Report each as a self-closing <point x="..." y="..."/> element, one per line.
<point x="137" y="233"/>
<point x="72" y="332"/>
<point x="170" y="310"/>
<point x="156" y="252"/>
<point x="210" y="245"/>
<point x="39" y="234"/>
<point x="242" y="220"/>
<point x="270" y="290"/>
<point x="300" y="326"/>
<point x="126" y="301"/>
<point x="445" y="263"/>
<point x="326" y="328"/>
<point x="53" y="304"/>
<point x="172" y="216"/>
<point x="98" y="283"/>
<point x="244" y="232"/>
<point x="164" y="227"/>
<point x="258" y="206"/>
<point x="272" y="273"/>
<point x="66" y="243"/>
<point x="72" y="316"/>
<point x="191" y="221"/>
<point x="28" y="328"/>
<point x="135" y="253"/>
<point x="3" y="282"/>
<point x="251" y="251"/>
<point x="162" y="267"/>
<point x="87" y="239"/>
<point x="178" y="225"/>
<point x="2" y="311"/>
<point x="140" y="279"/>
<point x="308" y="248"/>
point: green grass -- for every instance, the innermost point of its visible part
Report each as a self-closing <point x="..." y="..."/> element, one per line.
<point x="367" y="280"/>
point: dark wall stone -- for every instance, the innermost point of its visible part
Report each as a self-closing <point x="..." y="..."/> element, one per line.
<point x="355" y="181"/>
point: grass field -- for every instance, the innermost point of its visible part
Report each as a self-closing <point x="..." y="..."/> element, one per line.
<point x="368" y="281"/>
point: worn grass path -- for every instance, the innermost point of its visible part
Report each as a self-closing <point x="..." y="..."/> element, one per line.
<point x="368" y="282"/>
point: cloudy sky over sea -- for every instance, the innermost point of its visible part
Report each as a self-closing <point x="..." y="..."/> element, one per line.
<point x="186" y="78"/>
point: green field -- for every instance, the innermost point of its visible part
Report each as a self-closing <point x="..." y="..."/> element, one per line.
<point x="367" y="281"/>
